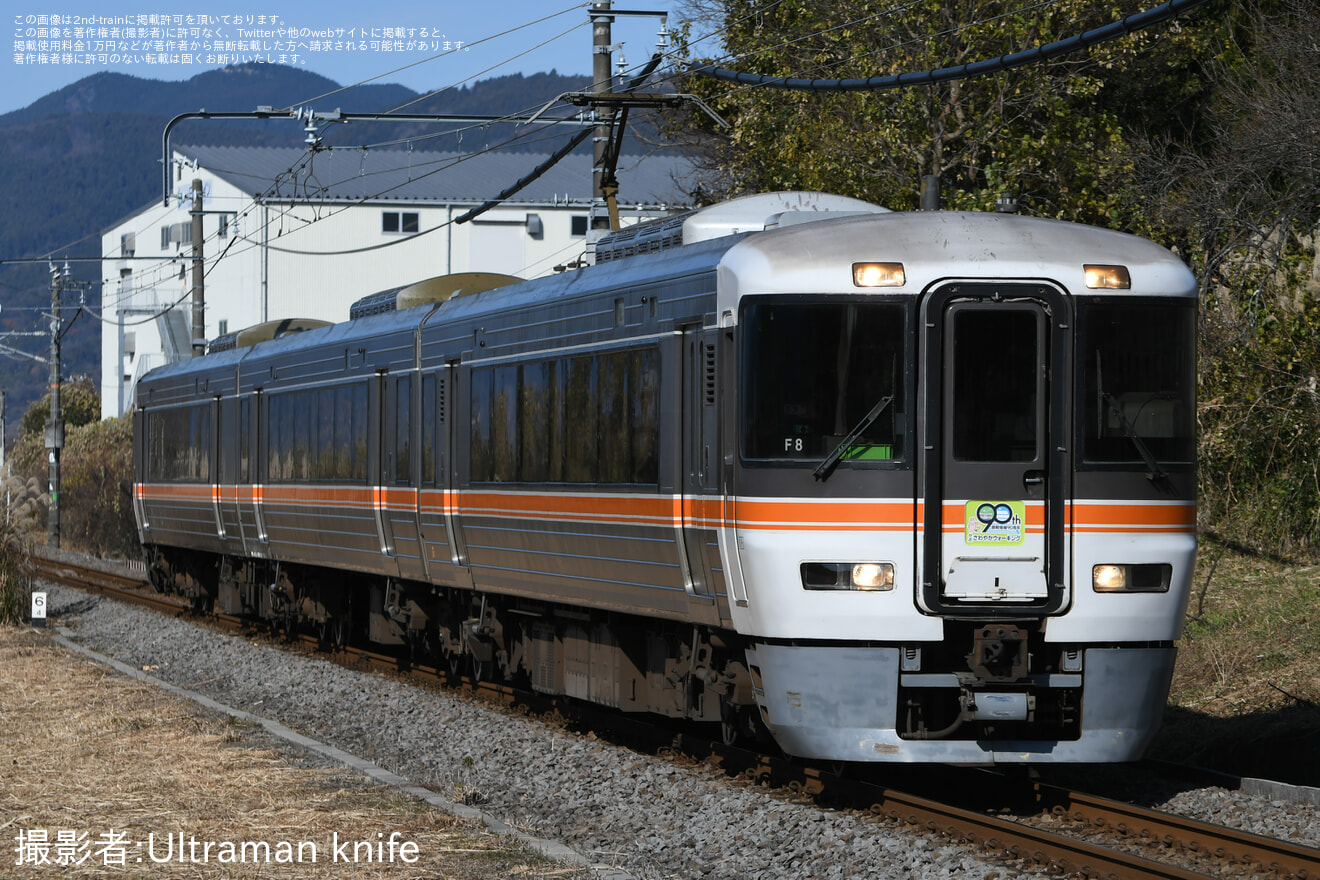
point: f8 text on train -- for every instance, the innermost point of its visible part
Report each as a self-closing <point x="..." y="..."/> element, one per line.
<point x="889" y="486"/>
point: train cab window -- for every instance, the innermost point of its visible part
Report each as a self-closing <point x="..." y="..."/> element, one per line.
<point x="1138" y="363"/>
<point x="995" y="360"/>
<point x="816" y="371"/>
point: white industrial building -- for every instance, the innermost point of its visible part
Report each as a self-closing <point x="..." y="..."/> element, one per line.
<point x="294" y="234"/>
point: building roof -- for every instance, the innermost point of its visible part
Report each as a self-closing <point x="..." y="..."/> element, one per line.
<point x="350" y="173"/>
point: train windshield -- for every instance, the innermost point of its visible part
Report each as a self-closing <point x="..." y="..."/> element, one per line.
<point x="1138" y="368"/>
<point x="815" y="373"/>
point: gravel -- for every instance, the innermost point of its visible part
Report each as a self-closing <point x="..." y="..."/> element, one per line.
<point x="646" y="815"/>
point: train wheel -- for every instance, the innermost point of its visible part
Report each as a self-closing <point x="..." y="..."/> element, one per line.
<point x="450" y="660"/>
<point x="732" y="724"/>
<point x="333" y="632"/>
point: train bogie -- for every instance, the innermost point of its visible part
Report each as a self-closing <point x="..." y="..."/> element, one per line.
<point x="891" y="487"/>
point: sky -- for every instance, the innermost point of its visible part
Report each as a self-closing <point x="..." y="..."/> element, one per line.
<point x="178" y="39"/>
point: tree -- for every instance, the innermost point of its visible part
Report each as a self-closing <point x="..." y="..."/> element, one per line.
<point x="1053" y="135"/>
<point x="80" y="401"/>
<point x="1244" y="206"/>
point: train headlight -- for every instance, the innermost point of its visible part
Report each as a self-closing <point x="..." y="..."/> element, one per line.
<point x="878" y="275"/>
<point x="877" y="576"/>
<point x="1107" y="277"/>
<point x="872" y="577"/>
<point x="1153" y="577"/>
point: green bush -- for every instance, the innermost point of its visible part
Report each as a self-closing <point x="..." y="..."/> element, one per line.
<point x="96" y="507"/>
<point x="96" y="475"/>
<point x="15" y="573"/>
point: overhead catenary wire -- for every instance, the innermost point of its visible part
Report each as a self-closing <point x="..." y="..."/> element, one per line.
<point x="528" y="178"/>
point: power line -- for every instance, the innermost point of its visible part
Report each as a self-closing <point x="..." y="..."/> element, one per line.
<point x="1119" y="28"/>
<point x="450" y="52"/>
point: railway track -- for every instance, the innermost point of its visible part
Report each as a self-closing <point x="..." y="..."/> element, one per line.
<point x="1066" y="831"/>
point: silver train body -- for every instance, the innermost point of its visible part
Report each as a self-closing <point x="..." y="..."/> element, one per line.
<point x="887" y="486"/>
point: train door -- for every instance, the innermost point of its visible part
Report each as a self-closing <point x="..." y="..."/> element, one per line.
<point x="995" y="467"/>
<point x="700" y="469"/>
<point x="432" y="509"/>
<point x="381" y="439"/>
<point x="140" y="442"/>
<point x="254" y="469"/>
<point x="217" y="470"/>
<point x="456" y="438"/>
<point x="401" y="480"/>
<point x="230" y="522"/>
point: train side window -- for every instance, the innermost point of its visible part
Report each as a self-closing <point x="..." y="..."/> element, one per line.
<point x="535" y="410"/>
<point x="224" y="465"/>
<point x="428" y="430"/>
<point x="402" y="429"/>
<point x="557" y="427"/>
<point x="274" y="440"/>
<point x="503" y="425"/>
<point x="482" y="464"/>
<point x="359" y="432"/>
<point x="586" y="419"/>
<point x="179" y="444"/>
<point x="327" y="465"/>
<point x="197" y="456"/>
<point x="581" y="415"/>
<point x="302" y="433"/>
<point x="616" y="444"/>
<point x="644" y="427"/>
<point x="244" y="433"/>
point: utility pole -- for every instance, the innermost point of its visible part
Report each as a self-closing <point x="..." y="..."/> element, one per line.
<point x="601" y="84"/>
<point x="55" y="419"/>
<point x="2" y="432"/>
<point x="198" y="274"/>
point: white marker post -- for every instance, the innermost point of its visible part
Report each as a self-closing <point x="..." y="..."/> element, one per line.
<point x="39" y="609"/>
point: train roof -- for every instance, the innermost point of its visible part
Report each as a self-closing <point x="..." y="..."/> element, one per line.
<point x="788" y="256"/>
<point x="935" y="246"/>
<point x="369" y="332"/>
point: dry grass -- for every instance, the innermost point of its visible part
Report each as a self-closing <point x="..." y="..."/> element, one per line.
<point x="1246" y="690"/>
<point x="85" y="751"/>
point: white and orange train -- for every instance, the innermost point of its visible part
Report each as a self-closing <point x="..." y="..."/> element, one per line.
<point x="889" y="486"/>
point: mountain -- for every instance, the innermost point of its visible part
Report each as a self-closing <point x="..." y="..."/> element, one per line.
<point x="230" y="88"/>
<point x="83" y="157"/>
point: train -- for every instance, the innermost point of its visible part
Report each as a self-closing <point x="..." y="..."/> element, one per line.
<point x="883" y="486"/>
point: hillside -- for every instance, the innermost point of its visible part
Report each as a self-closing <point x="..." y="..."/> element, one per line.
<point x="82" y="157"/>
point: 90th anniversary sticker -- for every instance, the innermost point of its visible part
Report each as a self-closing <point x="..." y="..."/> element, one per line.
<point x="1000" y="523"/>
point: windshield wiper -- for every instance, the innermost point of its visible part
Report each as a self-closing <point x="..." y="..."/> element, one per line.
<point x="826" y="467"/>
<point x="1155" y="471"/>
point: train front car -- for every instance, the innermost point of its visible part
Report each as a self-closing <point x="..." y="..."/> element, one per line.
<point x="962" y="514"/>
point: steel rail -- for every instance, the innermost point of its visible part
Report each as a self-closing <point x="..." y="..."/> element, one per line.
<point x="1026" y="842"/>
<point x="1278" y="857"/>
